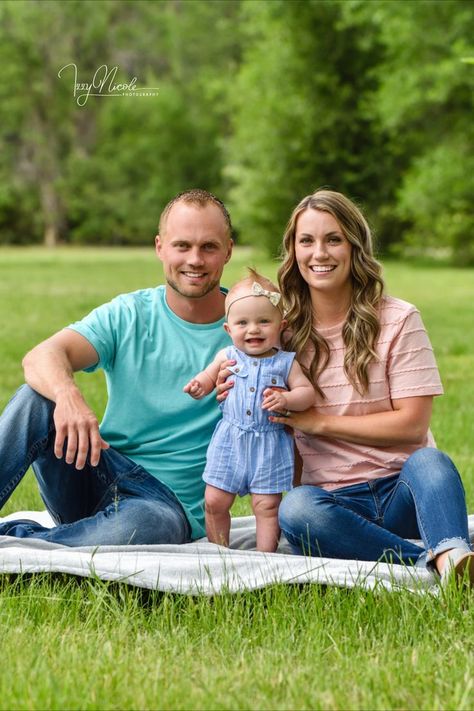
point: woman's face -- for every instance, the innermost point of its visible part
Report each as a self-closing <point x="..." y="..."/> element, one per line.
<point x="323" y="253"/>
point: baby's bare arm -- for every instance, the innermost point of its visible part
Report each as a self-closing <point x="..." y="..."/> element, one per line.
<point x="301" y="393"/>
<point x="298" y="397"/>
<point x="204" y="382"/>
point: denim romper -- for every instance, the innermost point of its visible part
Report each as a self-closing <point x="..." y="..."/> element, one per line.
<point x="247" y="452"/>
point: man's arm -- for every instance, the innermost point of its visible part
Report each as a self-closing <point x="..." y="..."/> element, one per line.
<point x="49" y="369"/>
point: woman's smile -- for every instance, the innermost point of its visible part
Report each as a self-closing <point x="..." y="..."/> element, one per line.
<point x="322" y="251"/>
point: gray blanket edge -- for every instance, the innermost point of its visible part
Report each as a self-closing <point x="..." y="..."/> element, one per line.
<point x="204" y="568"/>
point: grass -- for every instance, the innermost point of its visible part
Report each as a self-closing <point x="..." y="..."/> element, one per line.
<point x="86" y="644"/>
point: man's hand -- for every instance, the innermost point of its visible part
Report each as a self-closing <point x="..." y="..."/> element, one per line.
<point x="75" y="421"/>
<point x="223" y="385"/>
<point x="274" y="400"/>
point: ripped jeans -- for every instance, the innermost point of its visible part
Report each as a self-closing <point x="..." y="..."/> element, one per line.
<point x="116" y="502"/>
<point x="373" y="520"/>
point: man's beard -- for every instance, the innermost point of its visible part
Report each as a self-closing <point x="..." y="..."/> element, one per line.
<point x="191" y="293"/>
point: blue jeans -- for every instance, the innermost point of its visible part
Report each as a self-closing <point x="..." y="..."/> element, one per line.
<point x="372" y="521"/>
<point x="114" y="503"/>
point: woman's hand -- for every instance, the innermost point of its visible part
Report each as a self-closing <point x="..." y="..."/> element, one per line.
<point x="306" y="421"/>
<point x="223" y="385"/>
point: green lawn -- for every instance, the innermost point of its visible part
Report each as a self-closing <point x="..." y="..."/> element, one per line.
<point x="85" y="644"/>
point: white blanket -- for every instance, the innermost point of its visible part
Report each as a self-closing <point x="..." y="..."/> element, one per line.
<point x="202" y="567"/>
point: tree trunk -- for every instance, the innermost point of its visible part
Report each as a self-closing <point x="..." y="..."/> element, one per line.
<point x="52" y="213"/>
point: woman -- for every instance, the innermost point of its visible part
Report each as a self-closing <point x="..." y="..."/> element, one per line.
<point x="372" y="477"/>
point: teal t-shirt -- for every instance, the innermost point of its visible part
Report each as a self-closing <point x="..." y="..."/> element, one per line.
<point x="148" y="355"/>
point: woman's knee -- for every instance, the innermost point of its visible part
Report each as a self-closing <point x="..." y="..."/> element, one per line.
<point x="430" y="465"/>
<point x="301" y="505"/>
<point x="306" y="516"/>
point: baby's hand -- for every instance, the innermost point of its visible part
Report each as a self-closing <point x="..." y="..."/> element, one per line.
<point x="195" y="389"/>
<point x="274" y="400"/>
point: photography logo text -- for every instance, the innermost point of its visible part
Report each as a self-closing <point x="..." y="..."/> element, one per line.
<point x="104" y="84"/>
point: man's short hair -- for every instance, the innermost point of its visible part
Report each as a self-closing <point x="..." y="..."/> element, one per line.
<point x="199" y="197"/>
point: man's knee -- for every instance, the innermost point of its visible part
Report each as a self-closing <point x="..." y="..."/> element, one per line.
<point x="142" y="522"/>
<point x="25" y="399"/>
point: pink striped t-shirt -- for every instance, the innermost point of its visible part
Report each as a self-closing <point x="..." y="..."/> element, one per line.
<point x="406" y="368"/>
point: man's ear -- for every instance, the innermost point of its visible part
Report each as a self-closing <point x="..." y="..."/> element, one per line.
<point x="229" y="253"/>
<point x="158" y="246"/>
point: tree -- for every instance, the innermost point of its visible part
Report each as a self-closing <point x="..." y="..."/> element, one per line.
<point x="424" y="99"/>
<point x="34" y="131"/>
<point x="100" y="172"/>
<point x="300" y="114"/>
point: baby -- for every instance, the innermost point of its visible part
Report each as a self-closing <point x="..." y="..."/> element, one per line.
<point x="248" y="453"/>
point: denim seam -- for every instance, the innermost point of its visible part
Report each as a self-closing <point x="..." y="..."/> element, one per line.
<point x="377" y="502"/>
<point x="418" y="515"/>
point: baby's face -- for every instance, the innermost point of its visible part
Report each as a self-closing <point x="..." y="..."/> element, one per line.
<point x="255" y="325"/>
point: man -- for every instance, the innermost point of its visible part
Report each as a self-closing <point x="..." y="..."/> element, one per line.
<point x="137" y="479"/>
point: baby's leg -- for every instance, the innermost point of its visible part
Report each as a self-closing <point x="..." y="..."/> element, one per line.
<point x="218" y="504"/>
<point x="265" y="508"/>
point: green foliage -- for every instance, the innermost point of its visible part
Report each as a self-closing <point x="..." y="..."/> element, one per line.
<point x="260" y="101"/>
<point x="101" y="173"/>
<point x="299" y="116"/>
<point x="425" y="102"/>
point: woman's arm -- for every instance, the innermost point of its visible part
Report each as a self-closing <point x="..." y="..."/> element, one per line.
<point x="407" y="423"/>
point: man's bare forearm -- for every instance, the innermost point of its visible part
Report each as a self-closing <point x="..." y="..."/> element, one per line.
<point x="47" y="370"/>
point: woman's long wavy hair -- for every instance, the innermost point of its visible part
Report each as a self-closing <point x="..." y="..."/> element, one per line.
<point x="361" y="327"/>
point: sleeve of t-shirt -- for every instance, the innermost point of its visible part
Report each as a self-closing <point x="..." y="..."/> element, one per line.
<point x="102" y="328"/>
<point x="412" y="368"/>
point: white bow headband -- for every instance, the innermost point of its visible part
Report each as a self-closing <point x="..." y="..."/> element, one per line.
<point x="258" y="290"/>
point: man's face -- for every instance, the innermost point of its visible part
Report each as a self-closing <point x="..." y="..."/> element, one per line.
<point x="194" y="248"/>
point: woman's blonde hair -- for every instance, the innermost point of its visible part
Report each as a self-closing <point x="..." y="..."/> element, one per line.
<point x="361" y="327"/>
